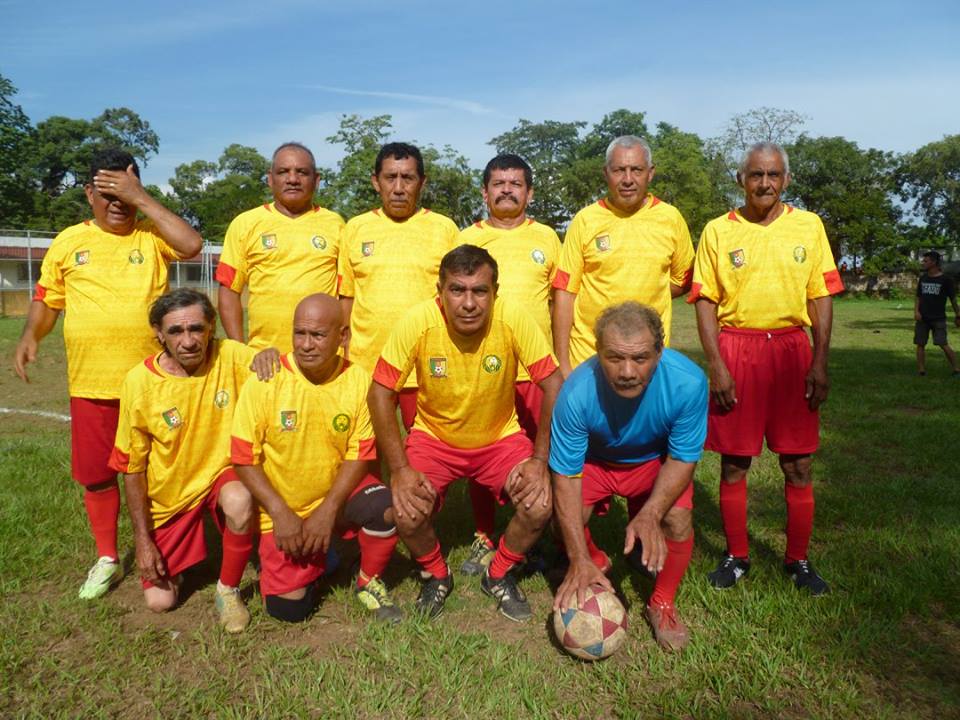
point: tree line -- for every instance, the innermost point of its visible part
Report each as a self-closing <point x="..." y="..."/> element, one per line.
<point x="879" y="207"/>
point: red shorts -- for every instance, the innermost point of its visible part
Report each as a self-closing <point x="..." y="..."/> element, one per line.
<point x="180" y="539"/>
<point x="93" y="431"/>
<point x="770" y="370"/>
<point x="487" y="466"/>
<point x="281" y="573"/>
<point x="602" y="480"/>
<point x="407" y="401"/>
<point x="528" y="399"/>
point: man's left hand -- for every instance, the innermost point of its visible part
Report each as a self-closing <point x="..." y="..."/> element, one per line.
<point x="529" y="483"/>
<point x="318" y="529"/>
<point x="121" y="184"/>
<point x="818" y="385"/>
<point x="645" y="529"/>
<point x="266" y="363"/>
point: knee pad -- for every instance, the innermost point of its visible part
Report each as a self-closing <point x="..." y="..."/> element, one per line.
<point x="367" y="507"/>
<point x="292" y="611"/>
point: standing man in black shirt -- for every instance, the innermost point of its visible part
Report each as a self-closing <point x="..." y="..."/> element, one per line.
<point x="930" y="311"/>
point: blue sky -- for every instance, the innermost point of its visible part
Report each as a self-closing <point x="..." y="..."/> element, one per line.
<point x="210" y="73"/>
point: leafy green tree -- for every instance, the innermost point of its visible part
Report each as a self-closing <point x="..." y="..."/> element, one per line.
<point x="16" y="135"/>
<point x="453" y="188"/>
<point x="348" y="190"/>
<point x="929" y="179"/>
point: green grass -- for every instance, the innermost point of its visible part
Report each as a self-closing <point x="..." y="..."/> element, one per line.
<point x="885" y="643"/>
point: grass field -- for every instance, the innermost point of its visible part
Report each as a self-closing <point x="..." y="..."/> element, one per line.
<point x="885" y="643"/>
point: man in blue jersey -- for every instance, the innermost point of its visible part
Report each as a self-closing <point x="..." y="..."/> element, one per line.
<point x="630" y="421"/>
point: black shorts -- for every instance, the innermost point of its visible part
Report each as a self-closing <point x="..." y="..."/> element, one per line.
<point x="923" y="329"/>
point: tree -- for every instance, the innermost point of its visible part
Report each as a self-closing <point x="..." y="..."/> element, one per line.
<point x="929" y="179"/>
<point x="348" y="190"/>
<point x="452" y="188"/>
<point x="16" y="135"/>
<point x="851" y="190"/>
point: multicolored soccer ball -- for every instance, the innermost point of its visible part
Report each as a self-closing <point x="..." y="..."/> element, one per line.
<point x="596" y="629"/>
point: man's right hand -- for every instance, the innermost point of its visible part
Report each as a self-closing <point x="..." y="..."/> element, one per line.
<point x="26" y="352"/>
<point x="723" y="390"/>
<point x="150" y="561"/>
<point x="581" y="575"/>
<point x="287" y="532"/>
<point x="413" y="495"/>
<point x="565" y="369"/>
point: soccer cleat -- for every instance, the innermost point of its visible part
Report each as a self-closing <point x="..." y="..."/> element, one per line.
<point x="729" y="571"/>
<point x="511" y="602"/>
<point x="668" y="630"/>
<point x="433" y="594"/>
<point x="234" y="616"/>
<point x="806" y="578"/>
<point x="101" y="577"/>
<point x="481" y="553"/>
<point x="374" y="597"/>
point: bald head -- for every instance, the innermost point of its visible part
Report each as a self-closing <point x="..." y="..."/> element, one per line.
<point x="318" y="333"/>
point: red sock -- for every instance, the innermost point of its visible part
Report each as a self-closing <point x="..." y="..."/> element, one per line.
<point x="504" y="559"/>
<point x="484" y="508"/>
<point x="799" y="520"/>
<point x="375" y="553"/>
<point x="598" y="556"/>
<point x="103" y="507"/>
<point x="236" y="551"/>
<point x="434" y="563"/>
<point x="733" y="509"/>
<point x="668" y="579"/>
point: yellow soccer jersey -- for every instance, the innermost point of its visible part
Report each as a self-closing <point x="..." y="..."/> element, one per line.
<point x="106" y="283"/>
<point x="282" y="259"/>
<point x="302" y="433"/>
<point x="466" y="385"/>
<point x="609" y="258"/>
<point x="387" y="267"/>
<point x="762" y="276"/>
<point x="177" y="429"/>
<point x="527" y="260"/>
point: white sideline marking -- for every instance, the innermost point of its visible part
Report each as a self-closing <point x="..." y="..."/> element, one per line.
<point x="38" y="413"/>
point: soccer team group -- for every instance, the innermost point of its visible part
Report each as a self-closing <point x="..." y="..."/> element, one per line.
<point x="538" y="372"/>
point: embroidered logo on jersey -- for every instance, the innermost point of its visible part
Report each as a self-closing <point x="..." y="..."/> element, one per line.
<point x="602" y="242"/>
<point x="341" y="422"/>
<point x="221" y="399"/>
<point x="288" y="420"/>
<point x="438" y="367"/>
<point x="800" y="253"/>
<point x="492" y="364"/>
<point x="269" y="242"/>
<point x="82" y="257"/>
<point x="367" y="248"/>
<point x="135" y="257"/>
<point x="538" y="257"/>
<point x="319" y="242"/>
<point x="172" y="418"/>
<point x="737" y="258"/>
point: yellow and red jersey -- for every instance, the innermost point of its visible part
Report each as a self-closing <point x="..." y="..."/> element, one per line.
<point x="282" y="260"/>
<point x="527" y="260"/>
<point x="177" y="429"/>
<point x="106" y="283"/>
<point x="609" y="257"/>
<point x="387" y="267"/>
<point x="466" y="385"/>
<point x="761" y="276"/>
<point x="302" y="433"/>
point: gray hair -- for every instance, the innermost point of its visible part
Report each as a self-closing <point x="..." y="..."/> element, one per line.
<point x="294" y="146"/>
<point x="764" y="147"/>
<point x="629" y="318"/>
<point x="628" y="141"/>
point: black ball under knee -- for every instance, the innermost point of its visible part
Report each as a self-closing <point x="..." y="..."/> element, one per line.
<point x="367" y="507"/>
<point x="292" y="611"/>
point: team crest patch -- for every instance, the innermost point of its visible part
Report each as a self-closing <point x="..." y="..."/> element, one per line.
<point x="538" y="257"/>
<point x="135" y="257"/>
<point x="341" y="422"/>
<point x="288" y="420"/>
<point x="269" y="242"/>
<point x="438" y="367"/>
<point x="492" y="364"/>
<point x="82" y="257"/>
<point x="737" y="258"/>
<point x="319" y="242"/>
<point x="367" y="249"/>
<point x="602" y="242"/>
<point x="800" y="253"/>
<point x="221" y="399"/>
<point x="172" y="418"/>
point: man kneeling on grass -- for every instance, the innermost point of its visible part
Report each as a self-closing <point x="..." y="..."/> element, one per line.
<point x="302" y="443"/>
<point x="173" y="446"/>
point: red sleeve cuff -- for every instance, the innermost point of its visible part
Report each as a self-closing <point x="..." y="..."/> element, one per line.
<point x="561" y="280"/>
<point x="119" y="460"/>
<point x="386" y="374"/>
<point x="687" y="277"/>
<point x="368" y="449"/>
<point x="542" y="369"/>
<point x="39" y="293"/>
<point x="832" y="280"/>
<point x="241" y="451"/>
<point x="225" y="275"/>
<point x="694" y="293"/>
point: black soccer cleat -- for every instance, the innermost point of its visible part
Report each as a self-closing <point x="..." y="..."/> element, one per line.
<point x="729" y="572"/>
<point x="806" y="578"/>
<point x="433" y="594"/>
<point x="511" y="602"/>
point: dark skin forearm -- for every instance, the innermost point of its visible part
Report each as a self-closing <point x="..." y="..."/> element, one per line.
<point x="562" y="322"/>
<point x="722" y="388"/>
<point x="319" y="526"/>
<point x="231" y="312"/>
<point x="41" y="319"/>
<point x="821" y="322"/>
<point x="287" y="525"/>
<point x="382" y="402"/>
<point x="149" y="560"/>
<point x="582" y="573"/>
